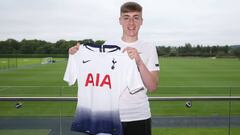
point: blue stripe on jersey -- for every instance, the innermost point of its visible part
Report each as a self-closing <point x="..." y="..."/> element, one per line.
<point x="97" y="122"/>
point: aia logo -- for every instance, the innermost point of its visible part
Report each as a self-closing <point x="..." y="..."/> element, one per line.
<point x="95" y="80"/>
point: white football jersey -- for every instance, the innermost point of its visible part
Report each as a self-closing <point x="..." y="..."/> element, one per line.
<point x="134" y="107"/>
<point x="102" y="75"/>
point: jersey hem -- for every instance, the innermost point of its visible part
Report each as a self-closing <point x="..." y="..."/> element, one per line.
<point x="137" y="119"/>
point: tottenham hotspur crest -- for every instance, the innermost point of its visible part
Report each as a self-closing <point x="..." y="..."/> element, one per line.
<point x="113" y="62"/>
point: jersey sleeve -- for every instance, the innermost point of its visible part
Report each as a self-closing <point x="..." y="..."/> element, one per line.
<point x="70" y="75"/>
<point x="134" y="81"/>
<point x="153" y="62"/>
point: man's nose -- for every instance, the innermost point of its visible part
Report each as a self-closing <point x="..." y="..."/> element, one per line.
<point x="131" y="21"/>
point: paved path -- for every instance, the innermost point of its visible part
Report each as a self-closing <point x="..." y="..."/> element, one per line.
<point x="62" y="125"/>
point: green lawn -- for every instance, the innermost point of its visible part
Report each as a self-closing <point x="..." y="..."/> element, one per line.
<point x="195" y="131"/>
<point x="9" y="63"/>
<point x="37" y="75"/>
<point x="178" y="77"/>
<point x="156" y="131"/>
<point x="24" y="132"/>
<point x="206" y="72"/>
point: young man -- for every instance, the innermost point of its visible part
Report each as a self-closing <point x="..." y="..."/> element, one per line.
<point x="134" y="109"/>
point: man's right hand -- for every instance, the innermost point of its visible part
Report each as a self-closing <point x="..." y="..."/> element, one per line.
<point x="74" y="49"/>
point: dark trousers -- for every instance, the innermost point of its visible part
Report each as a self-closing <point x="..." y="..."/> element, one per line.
<point x="141" y="127"/>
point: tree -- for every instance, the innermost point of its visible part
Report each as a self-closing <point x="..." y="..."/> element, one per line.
<point x="236" y="51"/>
<point x="87" y="41"/>
<point x="99" y="42"/>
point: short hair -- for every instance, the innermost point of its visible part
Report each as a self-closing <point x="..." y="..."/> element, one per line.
<point x="130" y="7"/>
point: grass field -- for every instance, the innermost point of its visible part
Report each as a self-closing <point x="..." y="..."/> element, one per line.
<point x="25" y="132"/>
<point x="194" y="131"/>
<point x="10" y="63"/>
<point x="178" y="77"/>
<point x="156" y="131"/>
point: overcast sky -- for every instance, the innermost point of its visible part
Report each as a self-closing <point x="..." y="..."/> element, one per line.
<point x="166" y="22"/>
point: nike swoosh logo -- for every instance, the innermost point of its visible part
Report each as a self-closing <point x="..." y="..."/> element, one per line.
<point x="85" y="61"/>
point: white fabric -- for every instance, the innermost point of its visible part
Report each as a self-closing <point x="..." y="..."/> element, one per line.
<point x="135" y="107"/>
<point x="101" y="77"/>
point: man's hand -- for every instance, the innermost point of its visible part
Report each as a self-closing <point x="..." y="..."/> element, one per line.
<point x="74" y="49"/>
<point x="149" y="78"/>
<point x="133" y="54"/>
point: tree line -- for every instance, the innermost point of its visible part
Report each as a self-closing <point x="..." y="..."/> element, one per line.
<point x="200" y="51"/>
<point x="12" y="46"/>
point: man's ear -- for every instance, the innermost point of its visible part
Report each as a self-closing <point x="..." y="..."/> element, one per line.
<point x="119" y="20"/>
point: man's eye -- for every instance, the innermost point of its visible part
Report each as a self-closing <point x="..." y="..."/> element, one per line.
<point x="136" y="18"/>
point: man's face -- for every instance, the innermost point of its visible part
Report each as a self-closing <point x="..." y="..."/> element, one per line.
<point x="131" y="23"/>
